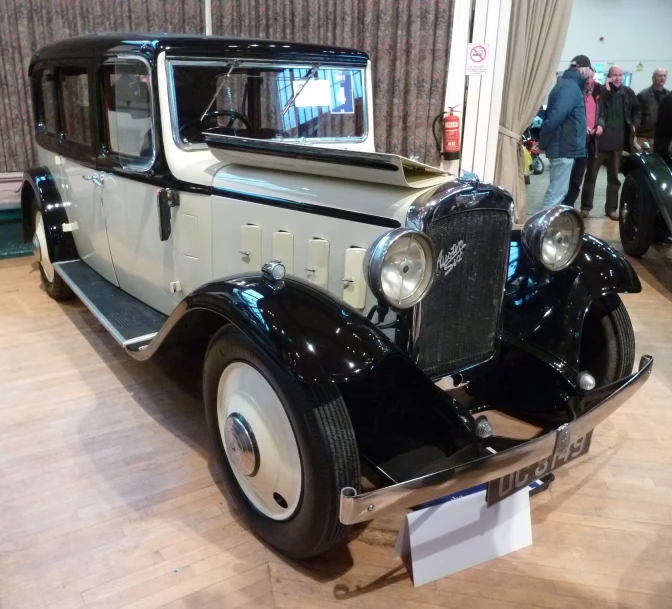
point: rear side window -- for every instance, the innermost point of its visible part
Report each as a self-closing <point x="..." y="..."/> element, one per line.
<point x="47" y="110"/>
<point x="127" y="113"/>
<point x="75" y="111"/>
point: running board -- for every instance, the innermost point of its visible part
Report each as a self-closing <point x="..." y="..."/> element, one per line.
<point x="129" y="321"/>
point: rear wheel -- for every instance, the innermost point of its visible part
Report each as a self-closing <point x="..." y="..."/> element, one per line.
<point x="537" y="165"/>
<point x="52" y="282"/>
<point x="285" y="448"/>
<point x="637" y="218"/>
<point x="607" y="341"/>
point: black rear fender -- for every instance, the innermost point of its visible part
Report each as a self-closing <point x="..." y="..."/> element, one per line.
<point x="39" y="187"/>
<point x="657" y="177"/>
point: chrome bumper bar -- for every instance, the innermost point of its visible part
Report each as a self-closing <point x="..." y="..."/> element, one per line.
<point x="358" y="508"/>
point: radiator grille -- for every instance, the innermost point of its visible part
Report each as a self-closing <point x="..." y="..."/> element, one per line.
<point x="459" y="316"/>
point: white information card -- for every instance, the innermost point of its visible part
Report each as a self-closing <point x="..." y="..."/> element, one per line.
<point x="463" y="532"/>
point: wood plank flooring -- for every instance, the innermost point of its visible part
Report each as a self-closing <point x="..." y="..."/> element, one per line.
<point x="109" y="496"/>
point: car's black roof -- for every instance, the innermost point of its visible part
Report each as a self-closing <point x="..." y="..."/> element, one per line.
<point x="97" y="45"/>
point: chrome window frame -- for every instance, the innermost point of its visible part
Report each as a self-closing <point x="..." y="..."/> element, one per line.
<point x="152" y="108"/>
<point x="224" y="61"/>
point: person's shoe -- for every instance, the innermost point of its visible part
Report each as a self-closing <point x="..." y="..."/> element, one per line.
<point x="585" y="213"/>
<point x="613" y="215"/>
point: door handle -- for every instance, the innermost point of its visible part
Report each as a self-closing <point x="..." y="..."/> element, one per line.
<point x="97" y="179"/>
<point x="165" y="199"/>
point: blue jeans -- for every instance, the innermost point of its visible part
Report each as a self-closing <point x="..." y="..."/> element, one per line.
<point x="561" y="169"/>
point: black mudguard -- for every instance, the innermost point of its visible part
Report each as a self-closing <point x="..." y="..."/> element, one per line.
<point x="658" y="176"/>
<point x="545" y="311"/>
<point x="304" y="329"/>
<point x="38" y="184"/>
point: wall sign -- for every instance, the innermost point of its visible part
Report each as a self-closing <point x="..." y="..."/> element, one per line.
<point x="478" y="58"/>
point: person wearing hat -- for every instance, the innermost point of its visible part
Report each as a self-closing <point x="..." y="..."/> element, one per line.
<point x="563" y="133"/>
<point x="591" y="95"/>
<point x="618" y="114"/>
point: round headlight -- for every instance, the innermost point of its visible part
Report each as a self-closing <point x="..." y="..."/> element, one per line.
<point x="553" y="236"/>
<point x="399" y="267"/>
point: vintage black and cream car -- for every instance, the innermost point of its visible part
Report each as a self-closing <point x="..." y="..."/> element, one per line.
<point x="361" y="311"/>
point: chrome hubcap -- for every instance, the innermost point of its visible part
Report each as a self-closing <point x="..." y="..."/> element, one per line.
<point x="259" y="441"/>
<point x="241" y="445"/>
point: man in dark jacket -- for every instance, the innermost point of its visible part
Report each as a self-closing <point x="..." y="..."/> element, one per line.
<point x="591" y="93"/>
<point x="563" y="133"/>
<point x="649" y="101"/>
<point x="618" y="115"/>
<point x="663" y="132"/>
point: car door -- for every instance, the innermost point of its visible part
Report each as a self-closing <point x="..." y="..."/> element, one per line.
<point x="144" y="264"/>
<point x="79" y="184"/>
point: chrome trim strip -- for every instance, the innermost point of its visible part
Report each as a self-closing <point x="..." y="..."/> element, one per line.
<point x="358" y="508"/>
<point x="59" y="266"/>
<point x="139" y="339"/>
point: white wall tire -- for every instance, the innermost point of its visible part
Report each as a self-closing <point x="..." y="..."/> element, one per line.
<point x="41" y="237"/>
<point x="306" y="446"/>
<point x="52" y="282"/>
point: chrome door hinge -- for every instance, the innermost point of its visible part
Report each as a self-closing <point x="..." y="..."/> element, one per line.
<point x="175" y="286"/>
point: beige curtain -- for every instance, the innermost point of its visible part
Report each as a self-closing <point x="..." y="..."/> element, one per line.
<point x="536" y="39"/>
<point x="409" y="45"/>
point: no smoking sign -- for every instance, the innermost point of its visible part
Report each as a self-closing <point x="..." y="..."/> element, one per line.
<point x="478" y="58"/>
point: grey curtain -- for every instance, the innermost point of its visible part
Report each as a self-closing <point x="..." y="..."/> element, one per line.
<point x="536" y="38"/>
<point x="408" y="41"/>
<point x="26" y="25"/>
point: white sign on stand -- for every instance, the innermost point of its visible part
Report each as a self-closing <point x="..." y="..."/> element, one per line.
<point x="462" y="533"/>
<point x="478" y="58"/>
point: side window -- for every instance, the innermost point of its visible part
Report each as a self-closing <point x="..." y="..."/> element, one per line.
<point x="75" y="114"/>
<point x="47" y="110"/>
<point x="127" y="113"/>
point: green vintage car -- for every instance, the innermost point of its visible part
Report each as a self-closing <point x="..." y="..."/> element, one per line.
<point x="646" y="200"/>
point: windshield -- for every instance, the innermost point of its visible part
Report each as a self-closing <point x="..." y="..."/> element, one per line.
<point x="265" y="101"/>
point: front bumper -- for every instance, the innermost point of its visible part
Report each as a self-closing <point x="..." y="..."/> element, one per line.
<point x="358" y="508"/>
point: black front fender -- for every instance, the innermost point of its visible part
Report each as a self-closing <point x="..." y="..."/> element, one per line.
<point x="310" y="334"/>
<point x="545" y="310"/>
<point x="39" y="186"/>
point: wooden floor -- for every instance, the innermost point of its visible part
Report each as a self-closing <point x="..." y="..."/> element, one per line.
<point x="109" y="497"/>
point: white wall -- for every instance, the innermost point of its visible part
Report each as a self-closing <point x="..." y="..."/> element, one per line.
<point x="634" y="31"/>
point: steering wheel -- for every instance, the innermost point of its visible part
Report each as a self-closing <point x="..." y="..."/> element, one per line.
<point x="235" y="116"/>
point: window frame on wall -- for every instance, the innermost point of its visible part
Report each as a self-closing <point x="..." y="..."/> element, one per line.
<point x="111" y="159"/>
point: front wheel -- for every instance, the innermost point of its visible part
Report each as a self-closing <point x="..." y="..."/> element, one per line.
<point x="538" y="165"/>
<point x="607" y="341"/>
<point x="637" y="217"/>
<point x="285" y="448"/>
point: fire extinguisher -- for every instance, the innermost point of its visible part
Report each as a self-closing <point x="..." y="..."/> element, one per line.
<point x="449" y="147"/>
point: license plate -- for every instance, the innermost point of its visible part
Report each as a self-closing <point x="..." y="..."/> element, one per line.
<point x="504" y="487"/>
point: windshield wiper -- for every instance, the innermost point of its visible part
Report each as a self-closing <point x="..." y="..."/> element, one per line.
<point x="311" y="74"/>
<point x="232" y="67"/>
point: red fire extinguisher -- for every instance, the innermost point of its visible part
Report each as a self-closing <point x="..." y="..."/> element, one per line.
<point x="450" y="148"/>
